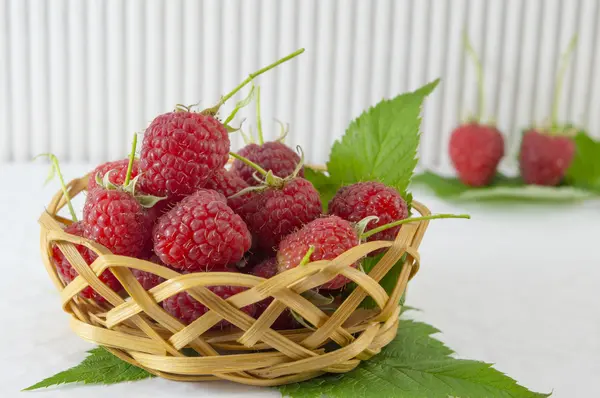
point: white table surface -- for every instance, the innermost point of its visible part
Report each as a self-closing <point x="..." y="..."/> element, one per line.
<point x="518" y="286"/>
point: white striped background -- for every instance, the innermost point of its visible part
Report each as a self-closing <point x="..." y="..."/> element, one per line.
<point x="79" y="77"/>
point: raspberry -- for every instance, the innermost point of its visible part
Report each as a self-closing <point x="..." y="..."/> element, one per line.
<point x="274" y="156"/>
<point x="69" y="273"/>
<point x="357" y="201"/>
<point x="267" y="269"/>
<point x="545" y="158"/>
<point x="330" y="236"/>
<point x="475" y="151"/>
<point x="149" y="280"/>
<point x="116" y="220"/>
<point x="117" y="177"/>
<point x="228" y="184"/>
<point x="201" y="233"/>
<point x="180" y="152"/>
<point x="183" y="307"/>
<point x="274" y="212"/>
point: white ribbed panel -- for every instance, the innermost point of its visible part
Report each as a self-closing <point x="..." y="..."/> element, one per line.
<point x="79" y="77"/>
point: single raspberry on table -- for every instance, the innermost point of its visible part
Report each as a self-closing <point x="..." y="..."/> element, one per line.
<point x="545" y="157"/>
<point x="201" y="233"/>
<point x="115" y="219"/>
<point x="357" y="201"/>
<point x="69" y="273"/>
<point x="276" y="211"/>
<point x="272" y="156"/>
<point x="476" y="150"/>
<point x="330" y="236"/>
<point x="118" y="173"/>
<point x="185" y="308"/>
<point x="227" y="183"/>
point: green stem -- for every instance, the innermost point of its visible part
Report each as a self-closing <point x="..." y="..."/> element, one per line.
<point x="259" y="72"/>
<point x="258" y="121"/>
<point x="63" y="186"/>
<point x="479" y="71"/>
<point x="249" y="163"/>
<point x="372" y="232"/>
<point x="560" y="76"/>
<point x="306" y="259"/>
<point x="131" y="159"/>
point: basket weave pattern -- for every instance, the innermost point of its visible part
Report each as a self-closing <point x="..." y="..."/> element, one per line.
<point x="137" y="329"/>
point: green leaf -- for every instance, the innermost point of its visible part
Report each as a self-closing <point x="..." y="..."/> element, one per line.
<point x="502" y="189"/>
<point x="323" y="183"/>
<point x="388" y="282"/>
<point x="99" y="367"/>
<point x="381" y="144"/>
<point x="413" y="365"/>
<point x="584" y="170"/>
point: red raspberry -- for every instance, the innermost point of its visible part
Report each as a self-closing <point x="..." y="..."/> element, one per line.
<point x="357" y="201"/>
<point x="149" y="280"/>
<point x="117" y="177"/>
<point x="475" y="151"/>
<point x="181" y="150"/>
<point x="274" y="156"/>
<point x="228" y="184"/>
<point x="183" y="307"/>
<point x="544" y="159"/>
<point x="267" y="269"/>
<point x="275" y="212"/>
<point x="330" y="236"/>
<point x="69" y="273"/>
<point x="201" y="233"/>
<point x="116" y="220"/>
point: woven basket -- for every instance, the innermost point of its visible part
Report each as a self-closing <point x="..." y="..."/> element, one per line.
<point x="137" y="329"/>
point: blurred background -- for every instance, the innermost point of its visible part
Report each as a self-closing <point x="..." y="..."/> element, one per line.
<point x="78" y="77"/>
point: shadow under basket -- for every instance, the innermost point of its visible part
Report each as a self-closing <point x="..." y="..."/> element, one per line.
<point x="133" y="325"/>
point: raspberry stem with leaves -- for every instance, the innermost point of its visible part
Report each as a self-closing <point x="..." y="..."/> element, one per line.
<point x="55" y="169"/>
<point x="373" y="231"/>
<point x="479" y="71"/>
<point x="560" y="76"/>
<point x="131" y="159"/>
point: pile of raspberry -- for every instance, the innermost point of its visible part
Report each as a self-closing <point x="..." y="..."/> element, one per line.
<point x="219" y="217"/>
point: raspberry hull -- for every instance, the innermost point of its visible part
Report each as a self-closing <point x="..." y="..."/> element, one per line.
<point x="118" y="174"/>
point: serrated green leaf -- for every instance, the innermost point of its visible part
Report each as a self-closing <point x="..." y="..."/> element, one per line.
<point x="413" y="365"/>
<point x="381" y="144"/>
<point x="323" y="183"/>
<point x="584" y="170"/>
<point x="388" y="282"/>
<point x="502" y="189"/>
<point x="99" y="367"/>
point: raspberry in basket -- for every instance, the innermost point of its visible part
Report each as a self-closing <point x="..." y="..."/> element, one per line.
<point x="118" y="172"/>
<point x="68" y="273"/>
<point x="201" y="233"/>
<point x="357" y="201"/>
